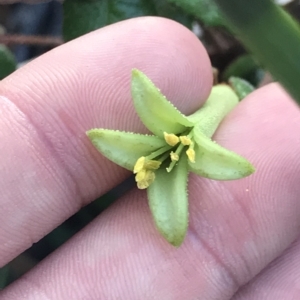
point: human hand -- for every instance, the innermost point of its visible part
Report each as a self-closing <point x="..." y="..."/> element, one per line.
<point x="49" y="170"/>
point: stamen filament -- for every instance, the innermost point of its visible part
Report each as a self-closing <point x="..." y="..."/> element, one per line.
<point x="159" y="152"/>
<point x="173" y="163"/>
<point x="164" y="157"/>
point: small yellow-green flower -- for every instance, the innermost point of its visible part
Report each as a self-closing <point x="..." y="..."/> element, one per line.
<point x="179" y="145"/>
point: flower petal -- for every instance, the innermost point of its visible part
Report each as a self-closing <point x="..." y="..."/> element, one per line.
<point x="168" y="201"/>
<point x="215" y="162"/>
<point x="220" y="102"/>
<point x="124" y="148"/>
<point x="154" y="110"/>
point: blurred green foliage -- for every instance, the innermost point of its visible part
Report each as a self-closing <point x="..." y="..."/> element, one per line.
<point x="7" y="62"/>
<point x="83" y="16"/>
<point x="271" y="35"/>
<point x="204" y="10"/>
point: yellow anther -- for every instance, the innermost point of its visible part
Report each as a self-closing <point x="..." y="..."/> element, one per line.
<point x="152" y="164"/>
<point x="139" y="165"/>
<point x="142" y="185"/>
<point x="191" y="154"/>
<point x="171" y="139"/>
<point x="174" y="156"/>
<point x="148" y="178"/>
<point x="140" y="175"/>
<point x="142" y="168"/>
<point x="186" y="141"/>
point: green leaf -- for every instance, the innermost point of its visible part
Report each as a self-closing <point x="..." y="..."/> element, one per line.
<point x="271" y="35"/>
<point x="124" y="148"/>
<point x="205" y="10"/>
<point x="215" y="162"/>
<point x="155" y="111"/>
<point x="7" y="62"/>
<point x="241" y="87"/>
<point x="83" y="16"/>
<point x="168" y="201"/>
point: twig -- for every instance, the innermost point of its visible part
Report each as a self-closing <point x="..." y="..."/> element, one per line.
<point x="35" y="40"/>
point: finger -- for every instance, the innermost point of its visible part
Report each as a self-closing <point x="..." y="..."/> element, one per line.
<point x="245" y="225"/>
<point x="49" y="168"/>
<point x="280" y="280"/>
<point x="236" y="228"/>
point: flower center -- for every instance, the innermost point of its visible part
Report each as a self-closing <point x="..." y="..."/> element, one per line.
<point x="145" y="166"/>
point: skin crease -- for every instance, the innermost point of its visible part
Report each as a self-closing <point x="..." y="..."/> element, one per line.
<point x="49" y="170"/>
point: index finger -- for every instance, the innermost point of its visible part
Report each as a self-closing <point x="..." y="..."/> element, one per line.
<point x="49" y="168"/>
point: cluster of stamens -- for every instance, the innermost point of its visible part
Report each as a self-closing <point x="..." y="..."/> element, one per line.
<point x="145" y="166"/>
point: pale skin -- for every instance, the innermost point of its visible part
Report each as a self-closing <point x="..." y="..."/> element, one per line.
<point x="49" y="170"/>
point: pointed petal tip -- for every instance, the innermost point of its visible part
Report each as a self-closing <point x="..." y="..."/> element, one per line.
<point x="95" y="133"/>
<point x="90" y="133"/>
<point x="174" y="239"/>
<point x="252" y="169"/>
<point x="177" y="242"/>
<point x="136" y="73"/>
<point x="246" y="168"/>
<point x="138" y="78"/>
